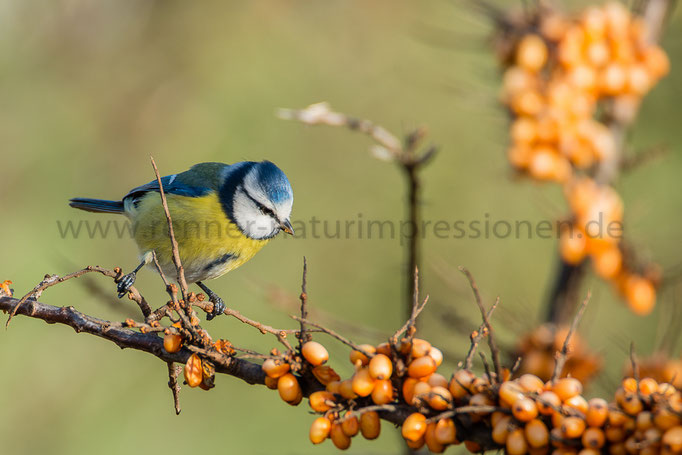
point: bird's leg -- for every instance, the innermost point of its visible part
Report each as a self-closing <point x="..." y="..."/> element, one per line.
<point x="128" y="280"/>
<point x="218" y="304"/>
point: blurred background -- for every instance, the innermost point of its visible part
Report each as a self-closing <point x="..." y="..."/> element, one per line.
<point x="91" y="88"/>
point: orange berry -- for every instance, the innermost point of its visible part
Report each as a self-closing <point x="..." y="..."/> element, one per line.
<point x="437" y="356"/>
<point x="362" y="382"/>
<point x="523" y="131"/>
<point x="613" y="79"/>
<point x="172" y="342"/>
<point x="275" y="368"/>
<point x="473" y="447"/>
<point x="531" y="53"/>
<point x="583" y="77"/>
<point x="334" y="387"/>
<point x="356" y="356"/>
<point x="325" y="374"/>
<point x="430" y="438"/>
<point x="517" y="79"/>
<point x="524" y="409"/>
<point x="629" y="385"/>
<point x="665" y="419"/>
<point x="350" y="425"/>
<point x="382" y="392"/>
<point x="531" y="383"/>
<point x="414" y="427"/>
<point x="578" y="402"/>
<point x="370" y="424"/>
<point x="288" y="388"/>
<point x="460" y="384"/>
<point x="598" y="54"/>
<point x="421" y="367"/>
<point x="339" y="438"/>
<point x="547" y="402"/>
<point x="193" y="371"/>
<point x="607" y="263"/>
<point x="656" y="61"/>
<point x="501" y="430"/>
<point x="319" y="401"/>
<point x="319" y="430"/>
<point x="270" y="383"/>
<point x="566" y="388"/>
<point x="516" y="442"/>
<point x="416" y="445"/>
<point x="437" y="380"/>
<point x="593" y="438"/>
<point x="384" y="348"/>
<point x="380" y="367"/>
<point x="314" y="353"/>
<point x="617" y="418"/>
<point x="644" y="421"/>
<point x="445" y="432"/>
<point x="572" y="427"/>
<point x="439" y="398"/>
<point x="597" y="412"/>
<point x="408" y="390"/>
<point x="640" y="294"/>
<point x="536" y="433"/>
<point x="421" y="390"/>
<point x="672" y="439"/>
<point x="420" y="348"/>
<point x="639" y="79"/>
<point x="528" y="102"/>
<point x="572" y="246"/>
<point x="631" y="404"/>
<point x="543" y="164"/>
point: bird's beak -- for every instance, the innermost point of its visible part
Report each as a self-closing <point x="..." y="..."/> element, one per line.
<point x="286" y="227"/>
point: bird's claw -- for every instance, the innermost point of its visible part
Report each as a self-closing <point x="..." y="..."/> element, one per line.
<point x="218" y="307"/>
<point x="125" y="284"/>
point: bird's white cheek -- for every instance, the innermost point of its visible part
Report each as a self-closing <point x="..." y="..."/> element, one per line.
<point x="260" y="226"/>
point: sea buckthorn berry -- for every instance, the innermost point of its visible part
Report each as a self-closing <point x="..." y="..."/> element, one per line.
<point x="437" y="380"/>
<point x="572" y="427"/>
<point x="531" y="383"/>
<point x="439" y="398"/>
<point x="524" y="131"/>
<point x="665" y="419"/>
<point x="607" y="263"/>
<point x="578" y="403"/>
<point x="318" y="401"/>
<point x="319" y="430"/>
<point x="593" y="438"/>
<point x="656" y="61"/>
<point x="460" y="383"/>
<point x="339" y="438"/>
<point x="640" y="295"/>
<point x="356" y="356"/>
<point x="652" y="435"/>
<point x="430" y="438"/>
<point x="404" y="347"/>
<point x="614" y="434"/>
<point x="566" y="388"/>
<point x="384" y="348"/>
<point x="350" y="425"/>
<point x="270" y="383"/>
<point x="617" y="449"/>
<point x="629" y="385"/>
<point x="421" y="367"/>
<point x="408" y="390"/>
<point x="631" y="445"/>
<point x="531" y="53"/>
<point x="647" y="386"/>
<point x="414" y="427"/>
<point x="437" y="355"/>
<point x="193" y="371"/>
<point x="382" y="392"/>
<point x="288" y="388"/>
<point x="416" y="445"/>
<point x="644" y="421"/>
<point x="420" y="348"/>
<point x="275" y="368"/>
<point x="172" y="342"/>
<point x="370" y="424"/>
<point x="445" y="432"/>
<point x="510" y="392"/>
<point x="421" y="390"/>
<point x="536" y="433"/>
<point x="547" y="402"/>
<point x="557" y="419"/>
<point x="631" y="404"/>
<point x="516" y="442"/>
<point x="314" y="353"/>
<point x="325" y="374"/>
<point x="524" y="409"/>
<point x="672" y="439"/>
<point x="380" y="367"/>
<point x="589" y="452"/>
<point x="362" y="382"/>
<point x="597" y="412"/>
<point x="617" y="417"/>
<point x="501" y="430"/>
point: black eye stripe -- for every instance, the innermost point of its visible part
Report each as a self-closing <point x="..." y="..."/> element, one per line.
<point x="262" y="208"/>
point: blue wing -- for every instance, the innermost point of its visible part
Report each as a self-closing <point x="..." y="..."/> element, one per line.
<point x="171" y="185"/>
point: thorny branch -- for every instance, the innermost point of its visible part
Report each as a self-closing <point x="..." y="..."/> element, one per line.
<point x="562" y="355"/>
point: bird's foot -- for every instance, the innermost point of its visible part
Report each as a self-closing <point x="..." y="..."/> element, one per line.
<point x="218" y="306"/>
<point x="125" y="283"/>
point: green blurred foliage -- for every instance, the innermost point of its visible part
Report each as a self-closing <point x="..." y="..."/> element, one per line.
<point x="90" y="89"/>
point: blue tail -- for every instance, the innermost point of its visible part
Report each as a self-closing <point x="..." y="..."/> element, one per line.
<point x="96" y="205"/>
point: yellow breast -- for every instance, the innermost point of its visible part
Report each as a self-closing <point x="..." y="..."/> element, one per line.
<point x="210" y="245"/>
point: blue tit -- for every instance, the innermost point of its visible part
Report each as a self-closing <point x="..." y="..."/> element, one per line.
<point x="222" y="216"/>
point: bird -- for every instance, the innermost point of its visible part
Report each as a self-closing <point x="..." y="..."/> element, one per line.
<point x="222" y="215"/>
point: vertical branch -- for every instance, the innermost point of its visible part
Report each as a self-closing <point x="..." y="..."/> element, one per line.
<point x="413" y="242"/>
<point x="303" y="336"/>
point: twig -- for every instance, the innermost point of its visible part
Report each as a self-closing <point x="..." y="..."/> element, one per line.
<point x="303" y="335"/>
<point x="494" y="351"/>
<point x="174" y="385"/>
<point x="476" y="338"/>
<point x="417" y="308"/>
<point x="633" y="362"/>
<point x="563" y="354"/>
<point x="333" y="334"/>
<point x="171" y="234"/>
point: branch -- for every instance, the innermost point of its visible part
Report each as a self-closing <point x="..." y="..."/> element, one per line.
<point x="563" y="354"/>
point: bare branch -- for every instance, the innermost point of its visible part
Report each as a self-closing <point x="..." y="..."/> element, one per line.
<point x="563" y="354"/>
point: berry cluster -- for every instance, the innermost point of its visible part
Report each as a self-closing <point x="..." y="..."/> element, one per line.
<point x="537" y="351"/>
<point x="558" y="73"/>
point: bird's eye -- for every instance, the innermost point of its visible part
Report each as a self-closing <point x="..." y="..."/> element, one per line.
<point x="266" y="211"/>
